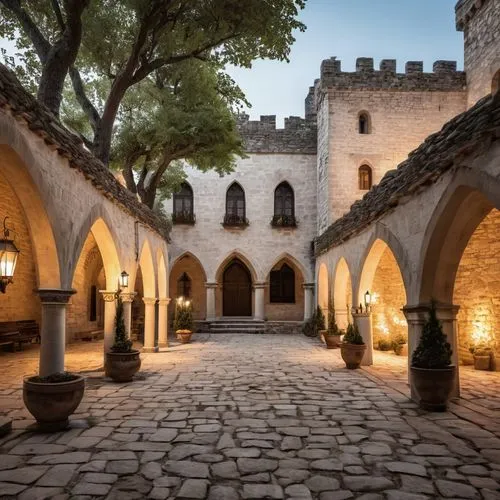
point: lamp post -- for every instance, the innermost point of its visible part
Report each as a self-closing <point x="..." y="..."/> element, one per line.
<point x="368" y="300"/>
<point x="124" y="279"/>
<point x="8" y="258"/>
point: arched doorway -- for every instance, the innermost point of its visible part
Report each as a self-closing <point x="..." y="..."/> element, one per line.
<point x="236" y="290"/>
<point x="342" y="293"/>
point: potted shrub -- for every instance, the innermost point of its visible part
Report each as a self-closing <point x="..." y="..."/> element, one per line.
<point x="183" y="323"/>
<point x="483" y="356"/>
<point x="122" y="362"/>
<point x="320" y="322"/>
<point x="400" y="344"/>
<point x="432" y="373"/>
<point x="53" y="398"/>
<point x="353" y="347"/>
<point x="333" y="334"/>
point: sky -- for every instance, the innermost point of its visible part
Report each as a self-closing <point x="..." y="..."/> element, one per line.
<point x="406" y="30"/>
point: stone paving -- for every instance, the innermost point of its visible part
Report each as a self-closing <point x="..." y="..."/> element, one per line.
<point x="248" y="417"/>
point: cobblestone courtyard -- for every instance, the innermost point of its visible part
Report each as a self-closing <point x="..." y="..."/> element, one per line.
<point x="251" y="417"/>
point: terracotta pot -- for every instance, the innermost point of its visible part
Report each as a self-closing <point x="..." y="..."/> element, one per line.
<point x="322" y="335"/>
<point x="433" y="386"/>
<point x="352" y="354"/>
<point x="52" y="403"/>
<point x="401" y="349"/>
<point x="122" y="366"/>
<point x="184" y="336"/>
<point x="482" y="362"/>
<point x="332" y="341"/>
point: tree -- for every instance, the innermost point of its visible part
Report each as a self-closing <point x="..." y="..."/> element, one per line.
<point x="125" y="42"/>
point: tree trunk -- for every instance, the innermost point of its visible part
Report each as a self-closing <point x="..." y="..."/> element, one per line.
<point x="148" y="196"/>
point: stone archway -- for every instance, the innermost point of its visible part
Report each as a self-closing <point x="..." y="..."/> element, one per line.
<point x="342" y="294"/>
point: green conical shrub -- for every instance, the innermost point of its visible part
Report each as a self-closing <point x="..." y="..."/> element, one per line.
<point x="122" y="343"/>
<point x="320" y="319"/>
<point x="184" y="317"/>
<point x="433" y="350"/>
<point x="352" y="335"/>
<point x="333" y="328"/>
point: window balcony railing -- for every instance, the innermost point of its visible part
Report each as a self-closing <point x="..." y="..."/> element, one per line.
<point x="284" y="221"/>
<point x="233" y="220"/>
<point x="183" y="218"/>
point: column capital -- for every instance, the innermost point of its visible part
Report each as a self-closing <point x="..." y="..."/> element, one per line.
<point x="55" y="295"/>
<point x="128" y="296"/>
<point x="361" y="315"/>
<point x="260" y="284"/>
<point x="308" y="286"/>
<point x="165" y="301"/>
<point x="420" y="312"/>
<point x="149" y="301"/>
<point x="211" y="284"/>
<point x="108" y="295"/>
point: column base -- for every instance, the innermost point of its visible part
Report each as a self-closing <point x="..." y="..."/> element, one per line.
<point x="149" y="349"/>
<point x="163" y="344"/>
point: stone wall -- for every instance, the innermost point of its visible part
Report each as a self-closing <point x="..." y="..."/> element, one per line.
<point x="480" y="22"/>
<point x="323" y="165"/>
<point x="187" y="264"/>
<point x="477" y="287"/>
<point x="400" y="121"/>
<point x="19" y="302"/>
<point x="89" y="272"/>
<point x="388" y="289"/>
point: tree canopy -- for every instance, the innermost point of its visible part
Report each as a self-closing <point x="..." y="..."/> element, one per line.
<point x="147" y="75"/>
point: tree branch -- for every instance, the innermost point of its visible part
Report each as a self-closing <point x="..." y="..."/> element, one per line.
<point x="81" y="96"/>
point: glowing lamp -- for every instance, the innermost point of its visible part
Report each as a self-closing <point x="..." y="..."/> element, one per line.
<point x="187" y="303"/>
<point x="368" y="299"/>
<point x="124" y="279"/>
<point x="179" y="300"/>
<point x="8" y="258"/>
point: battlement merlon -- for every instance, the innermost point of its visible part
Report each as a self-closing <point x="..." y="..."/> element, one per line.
<point x="299" y="136"/>
<point x="465" y="10"/>
<point x="444" y="77"/>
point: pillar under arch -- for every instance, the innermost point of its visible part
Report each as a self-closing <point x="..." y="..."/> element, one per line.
<point x="149" y="325"/>
<point x="259" y="299"/>
<point x="163" y="322"/>
<point x="308" y="300"/>
<point x="211" y="288"/>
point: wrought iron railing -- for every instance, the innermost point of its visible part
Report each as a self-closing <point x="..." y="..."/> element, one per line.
<point x="183" y="218"/>
<point x="233" y="220"/>
<point x="284" y="221"/>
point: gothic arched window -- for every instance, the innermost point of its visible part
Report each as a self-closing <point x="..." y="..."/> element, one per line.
<point x="364" y="123"/>
<point x="284" y="206"/>
<point x="183" y="205"/>
<point x="365" y="177"/>
<point x="282" y="285"/>
<point x="235" y="206"/>
<point x="184" y="286"/>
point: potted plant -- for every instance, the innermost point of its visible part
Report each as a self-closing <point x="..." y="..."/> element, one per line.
<point x="122" y="361"/>
<point x="483" y="356"/>
<point x="183" y="323"/>
<point x="400" y="344"/>
<point x="432" y="373"/>
<point x="52" y="399"/>
<point x="333" y="334"/>
<point x="320" y="322"/>
<point x="353" y="347"/>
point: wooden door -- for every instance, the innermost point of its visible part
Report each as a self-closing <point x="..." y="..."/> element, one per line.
<point x="237" y="290"/>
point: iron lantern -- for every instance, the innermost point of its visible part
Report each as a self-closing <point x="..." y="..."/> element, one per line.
<point x="8" y="258"/>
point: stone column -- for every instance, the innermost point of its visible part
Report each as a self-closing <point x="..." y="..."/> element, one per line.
<point x="163" y="322"/>
<point x="53" y="329"/>
<point x="109" y="297"/>
<point x="259" y="299"/>
<point x="211" y="288"/>
<point x="149" y="325"/>
<point x="127" y="299"/>
<point x="308" y="300"/>
<point x="416" y="316"/>
<point x="364" y="322"/>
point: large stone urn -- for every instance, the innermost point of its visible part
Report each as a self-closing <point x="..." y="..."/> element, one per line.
<point x="433" y="386"/>
<point x="122" y="366"/>
<point x="332" y="341"/>
<point x="52" y="402"/>
<point x="352" y="354"/>
<point x="184" y="336"/>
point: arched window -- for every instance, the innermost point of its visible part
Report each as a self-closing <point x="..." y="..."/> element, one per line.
<point x="364" y="124"/>
<point x="184" y="286"/>
<point x="235" y="206"/>
<point x="365" y="177"/>
<point x="284" y="206"/>
<point x="282" y="285"/>
<point x="183" y="205"/>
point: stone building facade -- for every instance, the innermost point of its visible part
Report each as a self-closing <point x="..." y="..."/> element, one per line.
<point x="358" y="127"/>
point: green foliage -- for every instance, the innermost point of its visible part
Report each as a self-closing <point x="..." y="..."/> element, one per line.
<point x="54" y="378"/>
<point x="122" y="342"/>
<point x="184" y="316"/>
<point x="333" y="328"/>
<point x="384" y="345"/>
<point x="397" y="341"/>
<point x="352" y="335"/>
<point x="309" y="327"/>
<point x="433" y="350"/>
<point x="320" y="319"/>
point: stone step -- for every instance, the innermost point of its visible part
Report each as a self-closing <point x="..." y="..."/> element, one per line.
<point x="236" y="325"/>
<point x="250" y="332"/>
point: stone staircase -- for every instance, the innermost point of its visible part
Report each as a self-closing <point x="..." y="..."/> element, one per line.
<point x="237" y="325"/>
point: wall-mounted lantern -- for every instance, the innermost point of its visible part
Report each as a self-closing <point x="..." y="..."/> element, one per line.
<point x="368" y="300"/>
<point x="8" y="258"/>
<point x="124" y="279"/>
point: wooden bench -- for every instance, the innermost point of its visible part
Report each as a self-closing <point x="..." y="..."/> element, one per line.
<point x="17" y="332"/>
